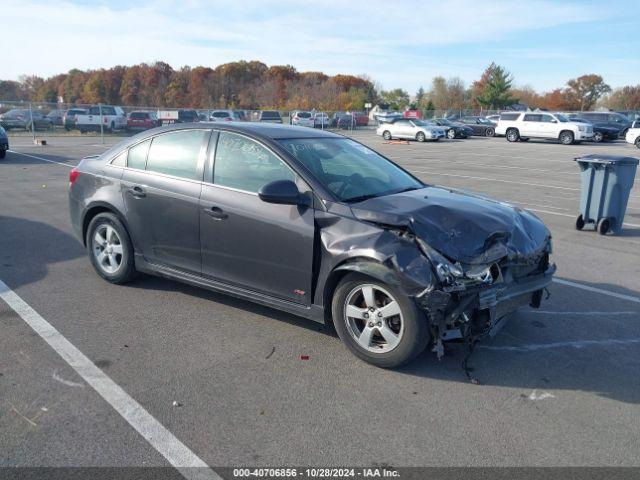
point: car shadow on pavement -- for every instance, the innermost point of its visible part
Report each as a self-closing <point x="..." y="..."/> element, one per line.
<point x="582" y="341"/>
<point x="28" y="248"/>
<point x="158" y="283"/>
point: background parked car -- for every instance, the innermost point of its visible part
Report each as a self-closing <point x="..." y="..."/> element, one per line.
<point x="480" y="125"/>
<point x="361" y="119"/>
<point x="406" y="128"/>
<point x="270" y="116"/>
<point x="454" y="129"/>
<point x="417" y="114"/>
<point x="56" y="117"/>
<point x="301" y="118"/>
<point x="21" y="118"/>
<point x="167" y="117"/>
<point x="70" y="116"/>
<point x="342" y="120"/>
<point x="321" y="120"/>
<point x="600" y="132"/>
<point x="139" y="121"/>
<point x="111" y="118"/>
<point x="224" y="116"/>
<point x="4" y="143"/>
<point x="606" y="119"/>
<point x="633" y="134"/>
<point x="522" y="126"/>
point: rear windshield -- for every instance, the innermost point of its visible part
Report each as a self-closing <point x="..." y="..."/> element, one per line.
<point x="304" y="115"/>
<point x="270" y="114"/>
<point x="188" y="115"/>
<point x="139" y="116"/>
<point x="220" y="114"/>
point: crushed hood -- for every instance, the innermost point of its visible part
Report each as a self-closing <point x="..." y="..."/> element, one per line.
<point x="463" y="227"/>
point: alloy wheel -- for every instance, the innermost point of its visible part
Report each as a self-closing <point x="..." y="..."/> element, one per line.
<point x="107" y="248"/>
<point x="373" y="318"/>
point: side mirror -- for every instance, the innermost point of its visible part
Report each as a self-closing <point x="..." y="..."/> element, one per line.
<point x="284" y="192"/>
<point x="554" y="121"/>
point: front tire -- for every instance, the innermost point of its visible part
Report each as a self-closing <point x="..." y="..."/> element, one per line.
<point x="420" y="137"/>
<point x="451" y="134"/>
<point x="377" y="322"/>
<point x="110" y="249"/>
<point x="3" y="153"/>
<point x="512" y="135"/>
<point x="566" y="138"/>
<point x="638" y="142"/>
<point x="598" y="137"/>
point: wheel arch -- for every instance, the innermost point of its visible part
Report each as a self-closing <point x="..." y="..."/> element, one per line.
<point x="368" y="266"/>
<point x="97" y="208"/>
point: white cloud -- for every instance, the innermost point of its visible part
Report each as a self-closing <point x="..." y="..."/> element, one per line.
<point x="399" y="43"/>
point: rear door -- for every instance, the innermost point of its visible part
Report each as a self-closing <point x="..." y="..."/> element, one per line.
<point x="548" y="126"/>
<point x="404" y="129"/>
<point x="530" y="126"/>
<point x="161" y="188"/>
<point x="264" y="247"/>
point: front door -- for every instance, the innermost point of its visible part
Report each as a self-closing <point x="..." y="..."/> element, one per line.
<point x="249" y="243"/>
<point x="161" y="190"/>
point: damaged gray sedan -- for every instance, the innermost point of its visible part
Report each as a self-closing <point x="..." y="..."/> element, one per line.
<point x="314" y="224"/>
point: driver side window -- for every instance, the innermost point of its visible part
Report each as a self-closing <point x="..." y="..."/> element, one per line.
<point x="244" y="164"/>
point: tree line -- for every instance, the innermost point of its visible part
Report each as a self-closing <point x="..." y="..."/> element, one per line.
<point x="254" y="85"/>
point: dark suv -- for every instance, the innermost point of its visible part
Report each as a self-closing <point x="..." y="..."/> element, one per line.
<point x="607" y="119"/>
<point x="314" y="224"/>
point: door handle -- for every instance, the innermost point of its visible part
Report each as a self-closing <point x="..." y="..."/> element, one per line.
<point x="137" y="192"/>
<point x="216" y="213"/>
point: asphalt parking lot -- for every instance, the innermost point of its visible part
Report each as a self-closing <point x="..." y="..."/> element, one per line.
<point x="559" y="386"/>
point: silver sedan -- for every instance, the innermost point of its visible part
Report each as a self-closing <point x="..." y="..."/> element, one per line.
<point x="409" y="129"/>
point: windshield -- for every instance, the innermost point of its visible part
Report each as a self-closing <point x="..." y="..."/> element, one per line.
<point x="561" y="118"/>
<point x="352" y="172"/>
<point x="442" y="121"/>
<point x="484" y="121"/>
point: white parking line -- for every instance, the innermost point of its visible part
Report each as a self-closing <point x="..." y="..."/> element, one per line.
<point x="496" y="180"/>
<point x="574" y="216"/>
<point x="161" y="439"/>
<point x="597" y="290"/>
<point x="585" y="314"/>
<point x="41" y="158"/>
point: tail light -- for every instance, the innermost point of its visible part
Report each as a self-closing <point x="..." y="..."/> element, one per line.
<point x="73" y="175"/>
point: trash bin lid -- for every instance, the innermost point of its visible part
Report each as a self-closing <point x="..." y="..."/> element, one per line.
<point x="607" y="159"/>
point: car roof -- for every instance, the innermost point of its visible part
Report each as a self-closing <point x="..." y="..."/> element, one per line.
<point x="267" y="131"/>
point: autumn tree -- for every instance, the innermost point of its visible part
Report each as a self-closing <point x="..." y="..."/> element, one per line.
<point x="397" y="98"/>
<point x="586" y="90"/>
<point x="624" y="98"/>
<point x="493" y="90"/>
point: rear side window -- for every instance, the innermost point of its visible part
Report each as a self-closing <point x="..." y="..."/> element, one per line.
<point x="532" y="118"/>
<point x="138" y="155"/>
<point x="176" y="153"/>
<point x="120" y="160"/>
<point x="509" y="116"/>
<point x="244" y="164"/>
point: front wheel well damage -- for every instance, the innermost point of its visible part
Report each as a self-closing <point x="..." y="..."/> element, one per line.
<point x="365" y="266"/>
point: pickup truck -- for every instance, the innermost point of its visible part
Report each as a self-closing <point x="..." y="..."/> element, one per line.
<point x="113" y="118"/>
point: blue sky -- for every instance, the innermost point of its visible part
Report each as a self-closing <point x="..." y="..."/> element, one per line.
<point x="543" y="43"/>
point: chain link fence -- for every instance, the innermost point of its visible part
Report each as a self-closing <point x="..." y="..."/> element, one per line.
<point x="42" y="119"/>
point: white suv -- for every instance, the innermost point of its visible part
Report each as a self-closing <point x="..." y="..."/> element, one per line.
<point x="525" y="125"/>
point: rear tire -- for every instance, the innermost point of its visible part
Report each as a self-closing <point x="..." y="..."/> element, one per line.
<point x="451" y="134"/>
<point x="3" y="153"/>
<point x="490" y="132"/>
<point x="409" y="325"/>
<point x="566" y="137"/>
<point x="638" y="142"/>
<point x="107" y="235"/>
<point x="579" y="222"/>
<point x="598" y="137"/>
<point x="512" y="135"/>
<point x="386" y="135"/>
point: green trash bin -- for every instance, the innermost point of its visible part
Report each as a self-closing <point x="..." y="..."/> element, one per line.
<point x="606" y="181"/>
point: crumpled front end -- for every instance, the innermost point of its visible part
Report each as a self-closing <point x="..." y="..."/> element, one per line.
<point x="486" y="258"/>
